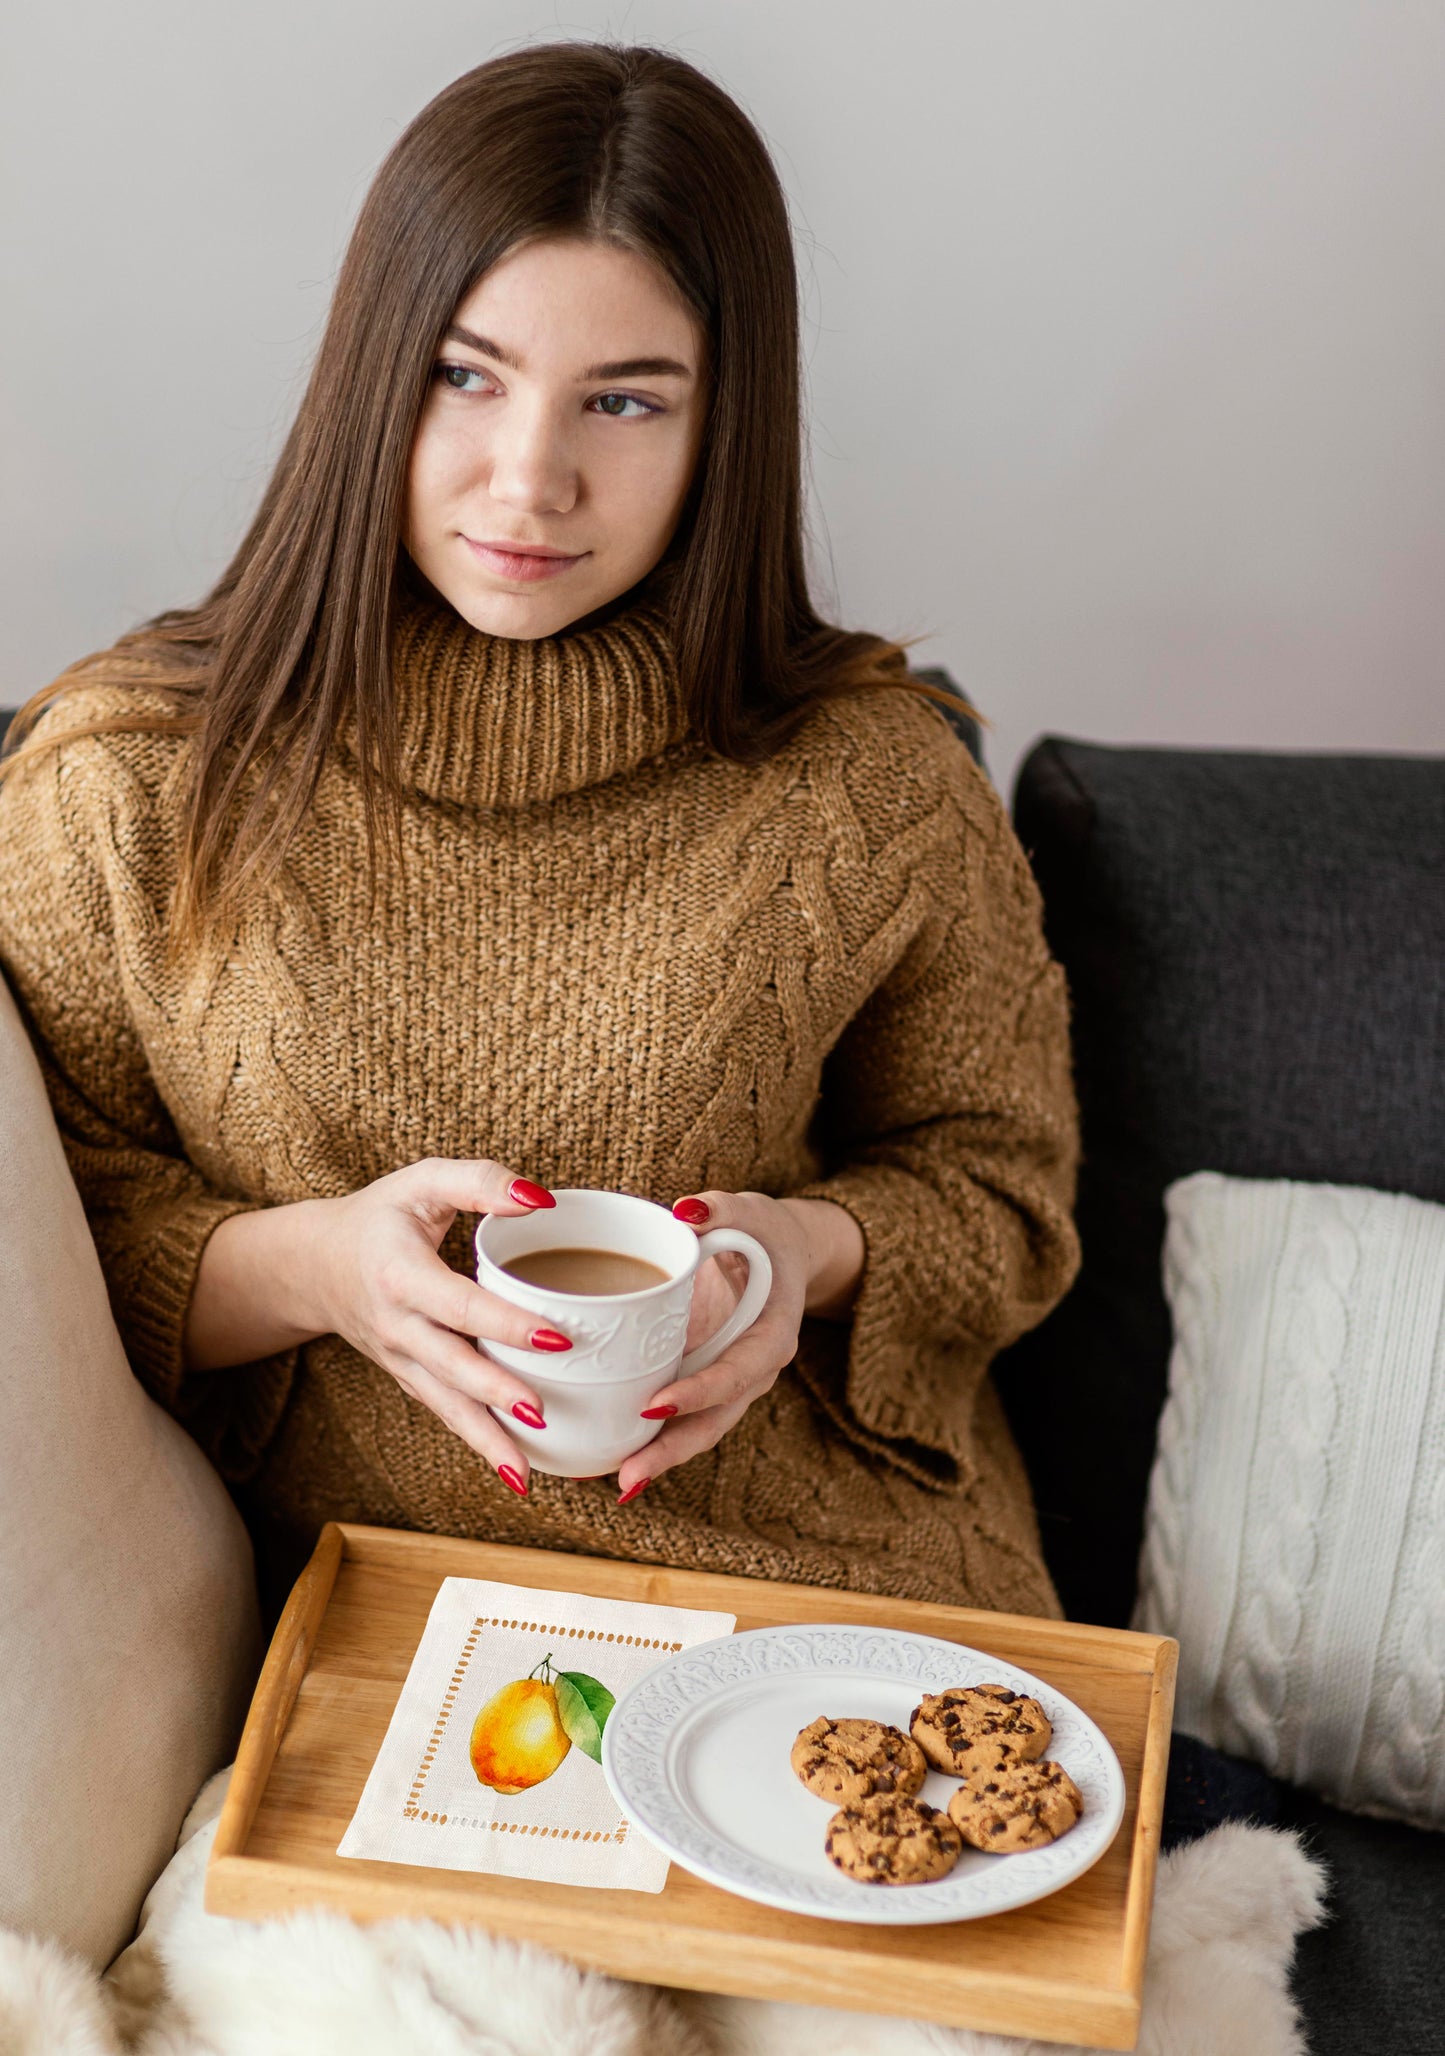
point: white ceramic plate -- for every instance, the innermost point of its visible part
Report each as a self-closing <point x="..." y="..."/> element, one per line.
<point x="697" y="1756"/>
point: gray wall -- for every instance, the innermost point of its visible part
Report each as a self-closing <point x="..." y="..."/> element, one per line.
<point x="1126" y="323"/>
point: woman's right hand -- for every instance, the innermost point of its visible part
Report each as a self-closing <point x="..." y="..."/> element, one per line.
<point x="381" y="1285"/>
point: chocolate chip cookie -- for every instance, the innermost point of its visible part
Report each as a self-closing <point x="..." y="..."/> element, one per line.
<point x="973" y="1728"/>
<point x="844" y="1760"/>
<point x="1018" y="1806"/>
<point x="888" y="1840"/>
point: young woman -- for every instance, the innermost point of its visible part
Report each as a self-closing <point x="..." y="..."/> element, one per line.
<point x="507" y="817"/>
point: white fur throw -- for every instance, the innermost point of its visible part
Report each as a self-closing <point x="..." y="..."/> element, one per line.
<point x="1226" y="1915"/>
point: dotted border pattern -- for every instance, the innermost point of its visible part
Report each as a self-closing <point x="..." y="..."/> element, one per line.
<point x="413" y="1809"/>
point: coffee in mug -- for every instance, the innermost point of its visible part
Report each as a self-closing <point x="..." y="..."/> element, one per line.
<point x="627" y="1337"/>
<point x="598" y="1272"/>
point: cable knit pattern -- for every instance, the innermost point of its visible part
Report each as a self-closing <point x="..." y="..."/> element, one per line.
<point x="1307" y="1339"/>
<point x="1299" y="1551"/>
<point x="1191" y="1288"/>
<point x="1404" y="1756"/>
<point x="605" y="957"/>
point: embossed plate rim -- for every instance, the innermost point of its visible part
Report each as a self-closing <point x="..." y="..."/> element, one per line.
<point x="636" y="1761"/>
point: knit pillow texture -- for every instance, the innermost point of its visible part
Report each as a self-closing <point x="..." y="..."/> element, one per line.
<point x="1295" y="1537"/>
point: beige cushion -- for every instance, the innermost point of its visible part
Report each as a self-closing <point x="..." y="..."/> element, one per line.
<point x="128" y="1622"/>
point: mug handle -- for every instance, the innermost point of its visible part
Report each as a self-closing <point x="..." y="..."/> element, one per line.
<point x="755" y="1292"/>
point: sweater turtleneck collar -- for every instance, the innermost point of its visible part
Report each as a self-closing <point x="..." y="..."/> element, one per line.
<point x="484" y="721"/>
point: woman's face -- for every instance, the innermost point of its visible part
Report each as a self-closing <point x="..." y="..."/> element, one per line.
<point x="558" y="439"/>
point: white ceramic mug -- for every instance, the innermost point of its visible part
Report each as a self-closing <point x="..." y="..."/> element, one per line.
<point x="625" y="1345"/>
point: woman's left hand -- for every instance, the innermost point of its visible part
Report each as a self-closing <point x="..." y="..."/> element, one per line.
<point x="816" y="1250"/>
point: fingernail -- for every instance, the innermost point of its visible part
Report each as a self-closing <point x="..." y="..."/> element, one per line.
<point x="513" y="1478"/>
<point x="528" y="1194"/>
<point x="633" y="1490"/>
<point x="548" y="1338"/>
<point x="528" y="1415"/>
<point x="693" y="1211"/>
<point x="658" y="1413"/>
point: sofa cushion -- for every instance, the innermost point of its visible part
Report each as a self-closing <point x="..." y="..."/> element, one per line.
<point x="128" y="1625"/>
<point x="1295" y="1538"/>
<point x="1255" y="947"/>
<point x="1373" y="1976"/>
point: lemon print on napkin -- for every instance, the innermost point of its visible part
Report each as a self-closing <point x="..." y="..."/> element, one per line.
<point x="524" y="1730"/>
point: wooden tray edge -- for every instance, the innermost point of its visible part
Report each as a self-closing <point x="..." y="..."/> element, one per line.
<point x="398" y="1545"/>
<point x="285" y="1666"/>
<point x="1139" y="1909"/>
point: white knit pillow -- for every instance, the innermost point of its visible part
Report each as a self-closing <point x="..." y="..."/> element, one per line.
<point x="1295" y="1540"/>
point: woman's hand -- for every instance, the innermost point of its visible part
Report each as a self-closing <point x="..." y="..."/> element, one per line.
<point x="380" y="1284"/>
<point x="817" y="1253"/>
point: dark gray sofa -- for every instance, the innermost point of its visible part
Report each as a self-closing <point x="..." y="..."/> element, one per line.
<point x="1255" y="947"/>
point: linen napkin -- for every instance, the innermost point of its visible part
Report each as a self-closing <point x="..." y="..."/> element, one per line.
<point x="492" y="1760"/>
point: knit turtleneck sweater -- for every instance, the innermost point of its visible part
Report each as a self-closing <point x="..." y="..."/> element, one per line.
<point x="604" y="956"/>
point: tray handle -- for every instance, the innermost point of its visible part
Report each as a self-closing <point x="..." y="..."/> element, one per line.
<point x="276" y="1688"/>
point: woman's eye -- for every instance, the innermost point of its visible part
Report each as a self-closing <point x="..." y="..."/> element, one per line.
<point x="615" y="405"/>
<point x="455" y="377"/>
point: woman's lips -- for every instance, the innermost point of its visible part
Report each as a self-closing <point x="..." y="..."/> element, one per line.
<point x="523" y="564"/>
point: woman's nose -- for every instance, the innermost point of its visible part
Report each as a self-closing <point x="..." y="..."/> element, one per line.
<point x="533" y="468"/>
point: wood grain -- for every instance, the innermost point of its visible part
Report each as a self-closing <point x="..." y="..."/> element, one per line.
<point x="1068" y="1968"/>
<point x="282" y="1676"/>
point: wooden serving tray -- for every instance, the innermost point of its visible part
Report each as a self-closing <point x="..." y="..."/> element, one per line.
<point x="1068" y="1968"/>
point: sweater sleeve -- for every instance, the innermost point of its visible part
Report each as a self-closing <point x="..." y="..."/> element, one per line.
<point x="149" y="1208"/>
<point x="948" y="1123"/>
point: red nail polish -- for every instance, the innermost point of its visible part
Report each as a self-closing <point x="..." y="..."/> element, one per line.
<point x="548" y="1338"/>
<point x="633" y="1490"/>
<point x="528" y="1194"/>
<point x="658" y="1413"/>
<point x="528" y="1415"/>
<point x="513" y="1478"/>
<point x="693" y="1211"/>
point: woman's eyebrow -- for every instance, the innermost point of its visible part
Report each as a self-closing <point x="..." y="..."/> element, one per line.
<point x="622" y="367"/>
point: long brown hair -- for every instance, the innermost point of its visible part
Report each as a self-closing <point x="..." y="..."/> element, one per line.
<point x="631" y="146"/>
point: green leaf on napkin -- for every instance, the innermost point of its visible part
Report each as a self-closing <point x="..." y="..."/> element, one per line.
<point x="583" y="1706"/>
